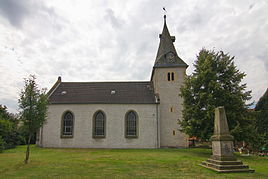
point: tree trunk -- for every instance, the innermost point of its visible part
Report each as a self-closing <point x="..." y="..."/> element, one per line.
<point x="28" y="149"/>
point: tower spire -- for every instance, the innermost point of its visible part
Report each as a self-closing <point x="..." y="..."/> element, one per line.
<point x="166" y="54"/>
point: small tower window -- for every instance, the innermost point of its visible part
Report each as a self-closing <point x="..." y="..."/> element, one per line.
<point x="168" y="76"/>
<point x="172" y="76"/>
<point x="171" y="109"/>
<point x="174" y="133"/>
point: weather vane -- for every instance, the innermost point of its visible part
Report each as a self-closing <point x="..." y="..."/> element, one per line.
<point x="165" y="12"/>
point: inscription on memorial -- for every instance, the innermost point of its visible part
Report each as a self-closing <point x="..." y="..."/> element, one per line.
<point x="226" y="150"/>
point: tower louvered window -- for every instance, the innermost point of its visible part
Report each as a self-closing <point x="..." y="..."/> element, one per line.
<point x="168" y="76"/>
<point x="171" y="76"/>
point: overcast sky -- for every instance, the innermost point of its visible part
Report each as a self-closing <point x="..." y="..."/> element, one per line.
<point x="102" y="40"/>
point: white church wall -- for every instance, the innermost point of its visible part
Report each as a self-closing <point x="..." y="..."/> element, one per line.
<point x="115" y="126"/>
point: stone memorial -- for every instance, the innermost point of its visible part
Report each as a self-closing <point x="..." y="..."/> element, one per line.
<point x="223" y="159"/>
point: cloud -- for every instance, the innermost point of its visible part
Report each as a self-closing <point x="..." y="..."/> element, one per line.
<point x="14" y="10"/>
<point x="238" y="28"/>
<point x="115" y="21"/>
<point x="102" y="40"/>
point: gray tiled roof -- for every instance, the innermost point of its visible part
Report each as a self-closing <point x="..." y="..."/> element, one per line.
<point x="101" y="93"/>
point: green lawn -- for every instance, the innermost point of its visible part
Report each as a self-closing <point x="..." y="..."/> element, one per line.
<point x="118" y="163"/>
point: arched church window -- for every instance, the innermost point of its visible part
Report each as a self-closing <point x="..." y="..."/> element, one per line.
<point x="131" y="123"/>
<point x="67" y="124"/>
<point x="99" y="124"/>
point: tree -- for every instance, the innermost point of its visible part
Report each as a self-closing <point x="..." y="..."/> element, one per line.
<point x="214" y="82"/>
<point x="262" y="119"/>
<point x="33" y="108"/>
<point x="8" y="129"/>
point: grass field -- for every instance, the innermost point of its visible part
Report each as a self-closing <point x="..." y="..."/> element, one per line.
<point x="118" y="163"/>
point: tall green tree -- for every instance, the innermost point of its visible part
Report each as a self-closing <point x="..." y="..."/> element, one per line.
<point x="216" y="81"/>
<point x="33" y="108"/>
<point x="262" y="119"/>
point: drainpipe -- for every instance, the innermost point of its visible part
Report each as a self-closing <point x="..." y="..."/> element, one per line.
<point x="158" y="123"/>
<point x="41" y="137"/>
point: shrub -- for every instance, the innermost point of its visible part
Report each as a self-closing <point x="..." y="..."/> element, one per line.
<point x="2" y="144"/>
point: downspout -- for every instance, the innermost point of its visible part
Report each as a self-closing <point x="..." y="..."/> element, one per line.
<point x="41" y="137"/>
<point x="158" y="121"/>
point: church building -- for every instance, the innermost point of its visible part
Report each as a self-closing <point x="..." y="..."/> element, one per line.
<point x="141" y="114"/>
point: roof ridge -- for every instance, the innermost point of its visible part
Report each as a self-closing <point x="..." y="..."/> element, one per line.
<point x="107" y="82"/>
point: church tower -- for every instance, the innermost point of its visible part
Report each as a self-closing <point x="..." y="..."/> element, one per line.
<point x="168" y="76"/>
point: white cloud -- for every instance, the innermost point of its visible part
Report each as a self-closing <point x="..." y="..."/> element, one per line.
<point x="103" y="40"/>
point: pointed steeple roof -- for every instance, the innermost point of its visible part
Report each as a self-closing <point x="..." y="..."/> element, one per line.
<point x="166" y="54"/>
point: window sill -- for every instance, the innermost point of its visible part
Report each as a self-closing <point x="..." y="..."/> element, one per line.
<point x="98" y="136"/>
<point x="131" y="137"/>
<point x="66" y="136"/>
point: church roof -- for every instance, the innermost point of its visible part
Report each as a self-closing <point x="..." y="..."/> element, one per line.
<point x="166" y="54"/>
<point x="102" y="93"/>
